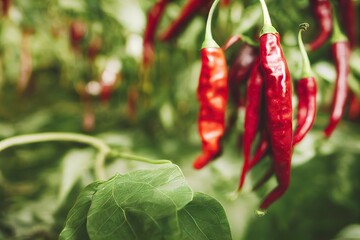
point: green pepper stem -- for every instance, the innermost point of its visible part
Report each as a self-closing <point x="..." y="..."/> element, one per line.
<point x="337" y="34"/>
<point x="268" y="27"/>
<point x="209" y="42"/>
<point x="306" y="68"/>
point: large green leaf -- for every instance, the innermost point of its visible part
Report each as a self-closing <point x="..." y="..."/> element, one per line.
<point x="75" y="227"/>
<point x="204" y="218"/>
<point x="139" y="205"/>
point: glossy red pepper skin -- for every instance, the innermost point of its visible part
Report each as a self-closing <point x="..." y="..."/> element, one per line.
<point x="278" y="112"/>
<point x="212" y="94"/>
<point x="341" y="56"/>
<point x="254" y="94"/>
<point x="306" y="91"/>
<point x="153" y="19"/>
<point x="323" y="15"/>
<point x="348" y="19"/>
<point x="188" y="12"/>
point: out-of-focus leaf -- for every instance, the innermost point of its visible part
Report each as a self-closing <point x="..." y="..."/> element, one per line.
<point x="74" y="164"/>
<point x="350" y="232"/>
<point x="204" y="218"/>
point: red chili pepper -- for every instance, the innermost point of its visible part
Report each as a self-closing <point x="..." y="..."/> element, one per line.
<point x="188" y="12"/>
<point x="323" y="15"/>
<point x="348" y="18"/>
<point x="254" y="92"/>
<point x="77" y="34"/>
<point x="225" y="2"/>
<point x="354" y="107"/>
<point x="153" y="19"/>
<point x="5" y="7"/>
<point x="94" y="48"/>
<point x="278" y="106"/>
<point x="212" y="94"/>
<point x="340" y="48"/>
<point x="306" y="91"/>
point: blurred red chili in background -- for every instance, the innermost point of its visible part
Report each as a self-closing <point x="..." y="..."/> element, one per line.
<point x="188" y="12"/>
<point x="153" y="19"/>
<point x="323" y="16"/>
<point x="348" y="19"/>
<point x="340" y="49"/>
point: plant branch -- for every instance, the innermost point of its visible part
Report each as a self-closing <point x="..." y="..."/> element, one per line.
<point x="103" y="149"/>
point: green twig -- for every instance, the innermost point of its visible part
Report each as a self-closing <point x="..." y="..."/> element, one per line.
<point x="103" y="149"/>
<point x="117" y="154"/>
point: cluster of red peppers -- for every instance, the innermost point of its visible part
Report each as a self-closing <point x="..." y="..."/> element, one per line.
<point x="268" y="97"/>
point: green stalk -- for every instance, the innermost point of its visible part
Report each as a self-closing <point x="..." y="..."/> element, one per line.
<point x="306" y="68"/>
<point x="337" y="34"/>
<point x="116" y="154"/>
<point x="209" y="42"/>
<point x="268" y="27"/>
<point x="103" y="149"/>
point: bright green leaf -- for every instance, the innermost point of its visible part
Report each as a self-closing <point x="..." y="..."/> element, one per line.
<point x="139" y="205"/>
<point x="204" y="218"/>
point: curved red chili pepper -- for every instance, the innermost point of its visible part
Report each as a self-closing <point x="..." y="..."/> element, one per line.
<point x="254" y="92"/>
<point x="340" y="49"/>
<point x="306" y="91"/>
<point x="212" y="94"/>
<point x="188" y="12"/>
<point x="261" y="150"/>
<point x="323" y="15"/>
<point x="278" y="112"/>
<point x="153" y="19"/>
<point x="348" y="18"/>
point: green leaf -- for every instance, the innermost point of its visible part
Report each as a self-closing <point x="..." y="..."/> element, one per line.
<point x="139" y="205"/>
<point x="74" y="164"/>
<point x="75" y="227"/>
<point x="204" y="218"/>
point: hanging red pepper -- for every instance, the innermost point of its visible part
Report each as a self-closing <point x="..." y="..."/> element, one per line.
<point x="254" y="93"/>
<point x="340" y="49"/>
<point x="77" y="34"/>
<point x="354" y="107"/>
<point x="278" y="112"/>
<point x="188" y="12"/>
<point x="348" y="19"/>
<point x="323" y="15"/>
<point x="306" y="91"/>
<point x="6" y="4"/>
<point x="212" y="94"/>
<point x="153" y="19"/>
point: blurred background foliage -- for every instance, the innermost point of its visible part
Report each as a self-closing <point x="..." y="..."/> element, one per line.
<point x="48" y="84"/>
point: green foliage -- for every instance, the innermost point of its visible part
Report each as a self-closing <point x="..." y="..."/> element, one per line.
<point x="145" y="204"/>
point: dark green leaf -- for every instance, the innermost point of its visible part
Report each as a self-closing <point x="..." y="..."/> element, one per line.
<point x="204" y="218"/>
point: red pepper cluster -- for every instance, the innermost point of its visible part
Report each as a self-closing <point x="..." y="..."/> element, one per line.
<point x="260" y="66"/>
